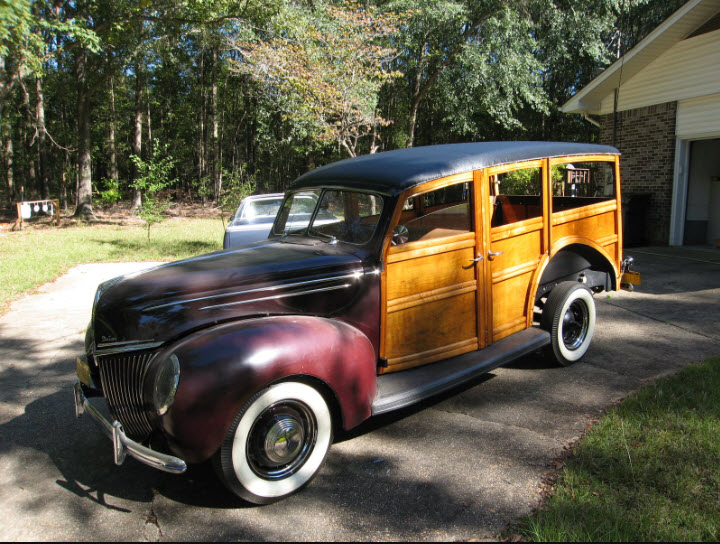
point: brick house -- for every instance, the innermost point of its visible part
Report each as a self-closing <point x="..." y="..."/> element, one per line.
<point x="659" y="104"/>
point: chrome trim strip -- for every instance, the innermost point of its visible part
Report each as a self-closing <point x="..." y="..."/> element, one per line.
<point x="122" y="445"/>
<point x="357" y="273"/>
<point x="110" y="348"/>
<point x="284" y="295"/>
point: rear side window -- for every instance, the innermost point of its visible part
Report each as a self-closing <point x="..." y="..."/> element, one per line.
<point x="577" y="184"/>
<point x="516" y="196"/>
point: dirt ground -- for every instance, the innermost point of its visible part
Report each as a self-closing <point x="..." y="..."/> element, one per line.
<point x="118" y="214"/>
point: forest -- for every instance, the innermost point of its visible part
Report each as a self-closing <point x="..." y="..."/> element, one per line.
<point x="209" y="100"/>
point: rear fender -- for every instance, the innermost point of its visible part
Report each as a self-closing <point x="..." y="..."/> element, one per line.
<point x="223" y="367"/>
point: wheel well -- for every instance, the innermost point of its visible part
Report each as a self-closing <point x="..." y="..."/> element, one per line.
<point x="577" y="262"/>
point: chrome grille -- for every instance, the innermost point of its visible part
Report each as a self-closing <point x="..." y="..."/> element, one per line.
<point x="122" y="378"/>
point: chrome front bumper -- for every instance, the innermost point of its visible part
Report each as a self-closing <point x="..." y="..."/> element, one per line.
<point x="122" y="445"/>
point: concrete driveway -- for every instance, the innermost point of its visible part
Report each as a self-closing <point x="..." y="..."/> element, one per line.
<point x="459" y="467"/>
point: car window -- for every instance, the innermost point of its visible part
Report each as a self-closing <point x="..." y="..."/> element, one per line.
<point x="580" y="184"/>
<point x="347" y="216"/>
<point x="436" y="214"/>
<point x="295" y="215"/>
<point x="516" y="196"/>
<point x="257" y="211"/>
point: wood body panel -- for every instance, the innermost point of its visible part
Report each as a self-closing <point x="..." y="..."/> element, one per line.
<point x="437" y="304"/>
<point x="593" y="226"/>
<point x="511" y="276"/>
<point x="428" y="273"/>
<point x="419" y="332"/>
<point x="430" y="294"/>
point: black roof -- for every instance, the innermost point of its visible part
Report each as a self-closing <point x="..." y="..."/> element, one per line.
<point x="391" y="172"/>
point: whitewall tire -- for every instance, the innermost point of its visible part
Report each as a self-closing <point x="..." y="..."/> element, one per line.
<point x="277" y="443"/>
<point x="569" y="316"/>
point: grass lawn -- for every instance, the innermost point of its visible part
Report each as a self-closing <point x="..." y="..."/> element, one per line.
<point x="34" y="256"/>
<point x="647" y="471"/>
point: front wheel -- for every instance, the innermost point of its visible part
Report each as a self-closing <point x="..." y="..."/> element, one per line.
<point x="569" y="316"/>
<point x="276" y="444"/>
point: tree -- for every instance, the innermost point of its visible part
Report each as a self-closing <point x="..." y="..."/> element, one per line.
<point x="327" y="67"/>
<point x="153" y="177"/>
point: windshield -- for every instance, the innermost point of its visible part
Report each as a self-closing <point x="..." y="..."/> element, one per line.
<point x="346" y="216"/>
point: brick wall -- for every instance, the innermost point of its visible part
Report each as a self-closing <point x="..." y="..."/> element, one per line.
<point x="646" y="138"/>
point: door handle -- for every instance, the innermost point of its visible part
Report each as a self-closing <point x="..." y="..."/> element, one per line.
<point x="479" y="258"/>
<point x="492" y="255"/>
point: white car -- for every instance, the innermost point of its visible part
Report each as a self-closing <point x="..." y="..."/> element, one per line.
<point x="253" y="220"/>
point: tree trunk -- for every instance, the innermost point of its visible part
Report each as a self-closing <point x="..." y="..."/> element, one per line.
<point x="84" y="189"/>
<point x="214" y="142"/>
<point x="114" y="174"/>
<point x="41" y="150"/>
<point x="148" y="118"/>
<point x="137" y="137"/>
<point x="30" y="132"/>
<point x="201" y="139"/>
<point x="9" y="162"/>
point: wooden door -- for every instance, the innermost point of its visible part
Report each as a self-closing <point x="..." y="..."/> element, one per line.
<point x="517" y="243"/>
<point x="431" y="281"/>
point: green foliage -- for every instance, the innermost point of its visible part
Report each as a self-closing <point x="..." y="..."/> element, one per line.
<point x="521" y="182"/>
<point x="293" y="85"/>
<point x="111" y="194"/>
<point x="648" y="471"/>
<point x="153" y="177"/>
<point x="327" y="65"/>
<point x="236" y="186"/>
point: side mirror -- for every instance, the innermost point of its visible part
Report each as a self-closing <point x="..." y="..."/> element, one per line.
<point x="400" y="235"/>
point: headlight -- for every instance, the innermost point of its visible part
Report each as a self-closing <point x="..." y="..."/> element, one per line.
<point x="167" y="378"/>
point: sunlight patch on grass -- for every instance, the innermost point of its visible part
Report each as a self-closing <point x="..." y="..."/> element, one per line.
<point x="647" y="471"/>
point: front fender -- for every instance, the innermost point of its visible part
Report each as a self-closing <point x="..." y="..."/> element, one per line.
<point x="221" y="368"/>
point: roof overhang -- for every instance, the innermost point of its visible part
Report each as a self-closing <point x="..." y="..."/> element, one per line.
<point x="675" y="28"/>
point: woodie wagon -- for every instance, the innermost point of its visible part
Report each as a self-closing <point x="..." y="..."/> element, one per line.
<point x="415" y="271"/>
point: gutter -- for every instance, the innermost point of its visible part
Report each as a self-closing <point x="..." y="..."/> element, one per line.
<point x="590" y="120"/>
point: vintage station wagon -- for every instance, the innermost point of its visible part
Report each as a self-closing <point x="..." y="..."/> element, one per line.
<point x="418" y="269"/>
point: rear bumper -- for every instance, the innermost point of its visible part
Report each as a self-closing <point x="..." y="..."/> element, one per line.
<point x="122" y="445"/>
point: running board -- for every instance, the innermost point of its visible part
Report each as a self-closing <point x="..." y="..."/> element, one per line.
<point x="406" y="387"/>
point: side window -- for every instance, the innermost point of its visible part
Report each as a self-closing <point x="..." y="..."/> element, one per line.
<point x="580" y="184"/>
<point x="516" y="196"/>
<point x="437" y="214"/>
<point x="294" y="217"/>
<point x="347" y="216"/>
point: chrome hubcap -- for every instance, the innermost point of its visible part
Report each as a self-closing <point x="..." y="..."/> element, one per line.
<point x="281" y="440"/>
<point x="575" y="324"/>
<point x="284" y="440"/>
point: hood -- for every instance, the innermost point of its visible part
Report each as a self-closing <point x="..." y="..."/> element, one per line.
<point x="265" y="278"/>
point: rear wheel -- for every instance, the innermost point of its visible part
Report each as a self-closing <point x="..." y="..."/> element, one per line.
<point x="569" y="316"/>
<point x="276" y="444"/>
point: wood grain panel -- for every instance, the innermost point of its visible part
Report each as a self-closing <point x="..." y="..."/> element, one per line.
<point x="429" y="273"/>
<point x="510" y="304"/>
<point x="413" y="250"/>
<point x="431" y="326"/>
<point x="516" y="229"/>
<point x="592" y="227"/>
<point x="431" y="356"/>
<point x="516" y="250"/>
<point x="430" y="296"/>
<point x="590" y="210"/>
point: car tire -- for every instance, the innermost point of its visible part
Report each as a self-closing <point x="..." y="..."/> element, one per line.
<point x="276" y="444"/>
<point x="569" y="316"/>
